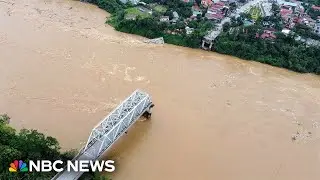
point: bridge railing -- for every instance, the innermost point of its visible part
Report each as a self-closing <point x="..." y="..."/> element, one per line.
<point x="107" y="131"/>
<point x="110" y="127"/>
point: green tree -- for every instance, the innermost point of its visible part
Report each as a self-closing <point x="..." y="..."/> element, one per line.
<point x="314" y="13"/>
<point x="226" y="26"/>
<point x="26" y="145"/>
<point x="112" y="6"/>
<point x="7" y="134"/>
<point x="7" y="154"/>
<point x="4" y="119"/>
<point x="282" y="52"/>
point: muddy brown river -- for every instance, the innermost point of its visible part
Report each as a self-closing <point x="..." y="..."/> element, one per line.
<point x="216" y="117"/>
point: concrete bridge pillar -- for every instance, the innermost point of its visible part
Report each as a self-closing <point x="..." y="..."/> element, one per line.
<point x="202" y="44"/>
<point x="148" y="112"/>
<point x="210" y="43"/>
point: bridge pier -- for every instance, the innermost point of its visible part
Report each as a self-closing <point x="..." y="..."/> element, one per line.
<point x="208" y="42"/>
<point x="148" y="112"/>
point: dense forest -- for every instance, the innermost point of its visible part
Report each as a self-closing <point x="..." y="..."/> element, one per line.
<point x="29" y="145"/>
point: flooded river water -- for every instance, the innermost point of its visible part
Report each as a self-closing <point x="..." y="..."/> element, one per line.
<point x="216" y="117"/>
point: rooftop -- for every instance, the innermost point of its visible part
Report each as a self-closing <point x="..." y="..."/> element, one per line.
<point x="175" y="14"/>
<point x="285" y="12"/>
<point x="267" y="35"/>
<point x="287" y="3"/>
<point x="214" y="16"/>
<point x="316" y="8"/>
<point x="285" y="31"/>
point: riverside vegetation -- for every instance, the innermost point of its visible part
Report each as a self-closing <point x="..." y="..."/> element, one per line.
<point x="30" y="145"/>
<point x="284" y="51"/>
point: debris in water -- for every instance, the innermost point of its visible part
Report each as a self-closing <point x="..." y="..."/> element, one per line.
<point x="159" y="40"/>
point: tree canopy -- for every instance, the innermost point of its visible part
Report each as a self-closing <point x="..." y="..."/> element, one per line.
<point x="284" y="51"/>
<point x="26" y="145"/>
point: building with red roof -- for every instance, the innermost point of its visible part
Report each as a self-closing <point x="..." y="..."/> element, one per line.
<point x="316" y="8"/>
<point x="267" y="34"/>
<point x="286" y="14"/>
<point x="216" y="11"/>
<point x="206" y="3"/>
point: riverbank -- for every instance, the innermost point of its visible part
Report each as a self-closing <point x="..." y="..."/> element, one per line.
<point x="26" y="145"/>
<point x="284" y="52"/>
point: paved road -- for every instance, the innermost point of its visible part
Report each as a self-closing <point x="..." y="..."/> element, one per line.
<point x="215" y="32"/>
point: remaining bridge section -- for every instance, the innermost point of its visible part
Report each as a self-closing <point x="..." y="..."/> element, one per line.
<point x="109" y="130"/>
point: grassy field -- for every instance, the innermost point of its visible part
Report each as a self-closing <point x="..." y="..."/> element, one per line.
<point x="135" y="11"/>
<point x="160" y="9"/>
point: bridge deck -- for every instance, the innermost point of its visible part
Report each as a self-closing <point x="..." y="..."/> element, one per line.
<point x="110" y="129"/>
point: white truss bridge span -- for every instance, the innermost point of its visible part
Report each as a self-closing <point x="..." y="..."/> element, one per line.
<point x="110" y="129"/>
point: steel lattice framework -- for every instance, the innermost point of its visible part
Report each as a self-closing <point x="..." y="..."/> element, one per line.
<point x="108" y="131"/>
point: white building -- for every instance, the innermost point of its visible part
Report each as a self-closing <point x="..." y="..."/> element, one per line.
<point x="135" y="2"/>
<point x="189" y="30"/>
<point x="285" y="31"/>
<point x="317" y="28"/>
<point x="175" y="15"/>
<point x="164" y="19"/>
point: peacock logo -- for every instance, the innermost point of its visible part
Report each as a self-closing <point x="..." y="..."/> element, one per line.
<point x="18" y="166"/>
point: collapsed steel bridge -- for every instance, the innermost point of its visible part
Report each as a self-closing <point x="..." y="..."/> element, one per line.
<point x="110" y="129"/>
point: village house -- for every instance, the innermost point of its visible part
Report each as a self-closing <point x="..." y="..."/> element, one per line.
<point x="135" y="2"/>
<point x="287" y="17"/>
<point x="188" y="1"/>
<point x="286" y="31"/>
<point x="189" y="30"/>
<point x="292" y="13"/>
<point x="248" y="22"/>
<point x="286" y="13"/>
<point x="142" y="3"/>
<point x="308" y="21"/>
<point x="217" y="11"/>
<point x="292" y="5"/>
<point x="316" y="8"/>
<point x="206" y="3"/>
<point x="196" y="11"/>
<point x="317" y="27"/>
<point x="228" y="2"/>
<point x="164" y="19"/>
<point x="175" y="17"/>
<point x="131" y="17"/>
<point x="268" y="24"/>
<point x="267" y="34"/>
